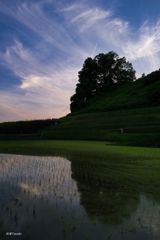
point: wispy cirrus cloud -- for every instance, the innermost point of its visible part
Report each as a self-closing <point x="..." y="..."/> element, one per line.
<point x="140" y="46"/>
<point x="144" y="51"/>
<point x="44" y="90"/>
<point x="25" y="62"/>
<point x="95" y="23"/>
<point x="104" y="25"/>
<point x="84" y="17"/>
<point x="148" y="42"/>
<point x="50" y="42"/>
<point x="47" y="28"/>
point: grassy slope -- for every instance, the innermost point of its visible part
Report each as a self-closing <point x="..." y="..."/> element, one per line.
<point x="131" y="106"/>
<point x="102" y="118"/>
<point x="101" y="126"/>
<point x="128" y="96"/>
<point x="141" y="127"/>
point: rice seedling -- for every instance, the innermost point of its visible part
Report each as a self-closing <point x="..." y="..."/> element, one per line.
<point x="73" y="227"/>
<point x="6" y="210"/>
<point x="64" y="227"/>
<point x="10" y="211"/>
<point x="133" y="229"/>
<point x="109" y="237"/>
<point x="34" y="210"/>
<point x="28" y="232"/>
<point x="15" y="216"/>
<point x="87" y="235"/>
<point x="3" y="232"/>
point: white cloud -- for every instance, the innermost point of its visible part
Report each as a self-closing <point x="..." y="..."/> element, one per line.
<point x="94" y="21"/>
<point x="88" y="18"/>
<point x="148" y="42"/>
<point x="25" y="64"/>
<point x="141" y="47"/>
<point x="144" y="51"/>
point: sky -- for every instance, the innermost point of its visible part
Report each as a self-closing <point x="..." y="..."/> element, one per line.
<point x="44" y="43"/>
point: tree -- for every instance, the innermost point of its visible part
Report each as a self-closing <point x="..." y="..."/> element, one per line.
<point x="86" y="86"/>
<point x="100" y="74"/>
<point x="124" y="71"/>
<point x="87" y="79"/>
<point x="106" y="64"/>
<point x="114" y="70"/>
<point x="143" y="75"/>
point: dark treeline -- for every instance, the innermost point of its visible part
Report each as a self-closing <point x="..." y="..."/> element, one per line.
<point x="24" y="127"/>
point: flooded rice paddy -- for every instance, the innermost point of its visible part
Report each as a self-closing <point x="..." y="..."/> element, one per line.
<point x="40" y="199"/>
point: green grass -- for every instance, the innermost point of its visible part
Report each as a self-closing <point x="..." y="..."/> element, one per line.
<point x="20" y="136"/>
<point x="141" y="127"/>
<point x="51" y="147"/>
<point x="131" y="95"/>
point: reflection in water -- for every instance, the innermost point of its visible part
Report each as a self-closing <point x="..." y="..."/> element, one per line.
<point x="147" y="217"/>
<point x="40" y="199"/>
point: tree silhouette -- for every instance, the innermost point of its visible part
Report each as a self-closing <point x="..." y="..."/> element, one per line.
<point x="98" y="75"/>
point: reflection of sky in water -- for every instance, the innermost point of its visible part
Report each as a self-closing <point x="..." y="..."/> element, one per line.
<point x="144" y="223"/>
<point x="41" y="176"/>
<point x="147" y="216"/>
<point x="46" y="184"/>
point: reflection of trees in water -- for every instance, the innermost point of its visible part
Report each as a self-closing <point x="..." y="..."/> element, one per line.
<point x="110" y="189"/>
<point x="104" y="199"/>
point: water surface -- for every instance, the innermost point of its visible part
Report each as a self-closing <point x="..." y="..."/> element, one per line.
<point x="39" y="199"/>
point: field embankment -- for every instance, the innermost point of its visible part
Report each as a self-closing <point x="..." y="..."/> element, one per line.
<point x="137" y="127"/>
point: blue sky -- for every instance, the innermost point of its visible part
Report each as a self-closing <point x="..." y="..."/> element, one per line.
<point x="43" y="44"/>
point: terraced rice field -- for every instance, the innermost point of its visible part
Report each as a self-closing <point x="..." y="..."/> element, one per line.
<point x="94" y="191"/>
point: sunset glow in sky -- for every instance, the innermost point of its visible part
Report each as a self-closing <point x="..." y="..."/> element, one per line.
<point x="43" y="44"/>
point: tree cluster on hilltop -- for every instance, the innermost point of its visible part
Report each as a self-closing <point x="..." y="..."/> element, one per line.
<point x="98" y="75"/>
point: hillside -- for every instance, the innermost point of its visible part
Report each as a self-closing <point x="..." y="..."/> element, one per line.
<point x="132" y="108"/>
<point x="144" y="92"/>
<point x="140" y="127"/>
<point x="128" y="115"/>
